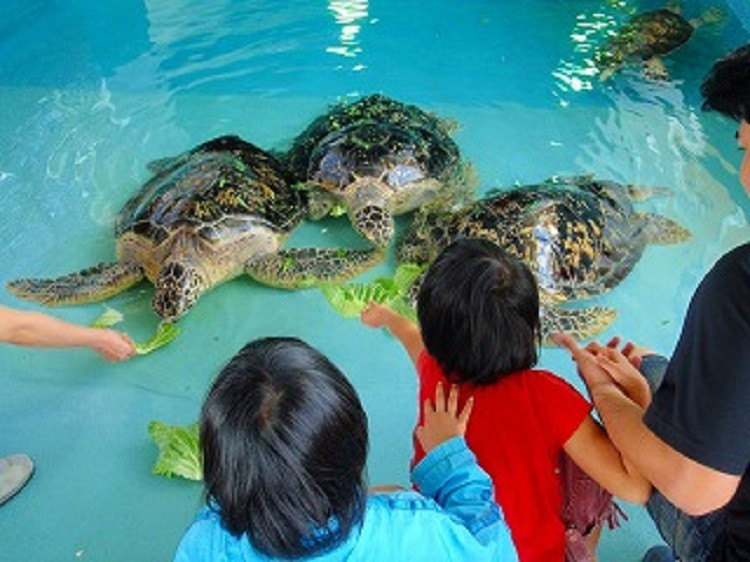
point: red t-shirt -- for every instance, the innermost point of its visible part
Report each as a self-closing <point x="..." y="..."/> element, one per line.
<point x="517" y="430"/>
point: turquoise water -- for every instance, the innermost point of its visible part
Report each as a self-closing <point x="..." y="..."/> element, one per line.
<point x="93" y="91"/>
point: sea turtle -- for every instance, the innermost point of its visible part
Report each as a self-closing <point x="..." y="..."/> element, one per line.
<point x="579" y="236"/>
<point x="204" y="217"/>
<point x="374" y="159"/>
<point x="646" y="36"/>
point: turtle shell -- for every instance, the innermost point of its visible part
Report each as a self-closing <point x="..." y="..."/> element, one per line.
<point x="578" y="240"/>
<point x="205" y="188"/>
<point x="653" y="33"/>
<point x="398" y="155"/>
<point x="378" y="116"/>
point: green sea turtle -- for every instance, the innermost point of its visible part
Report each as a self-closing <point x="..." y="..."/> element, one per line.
<point x="579" y="236"/>
<point x="646" y="37"/>
<point x="374" y="159"/>
<point x="204" y="217"/>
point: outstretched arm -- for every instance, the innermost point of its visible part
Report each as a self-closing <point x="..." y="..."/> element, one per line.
<point x="694" y="488"/>
<point x="407" y="332"/>
<point x="34" y="329"/>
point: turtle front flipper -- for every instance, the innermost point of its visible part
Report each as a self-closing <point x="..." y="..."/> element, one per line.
<point x="662" y="230"/>
<point x="299" y="268"/>
<point x="92" y="284"/>
<point x="582" y="323"/>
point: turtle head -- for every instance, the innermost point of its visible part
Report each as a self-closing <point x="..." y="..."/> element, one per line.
<point x="423" y="240"/>
<point x="178" y="287"/>
<point x="368" y="206"/>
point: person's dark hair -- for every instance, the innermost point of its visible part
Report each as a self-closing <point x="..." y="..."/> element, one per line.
<point x="478" y="310"/>
<point x="284" y="439"/>
<point x="726" y="88"/>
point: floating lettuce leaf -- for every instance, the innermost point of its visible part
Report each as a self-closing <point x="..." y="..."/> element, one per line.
<point x="165" y="333"/>
<point x="108" y="318"/>
<point x="351" y="299"/>
<point x="179" y="450"/>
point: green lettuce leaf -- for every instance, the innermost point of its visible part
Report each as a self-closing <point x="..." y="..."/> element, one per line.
<point x="350" y="299"/>
<point x="165" y="333"/>
<point x="108" y="318"/>
<point x="179" y="450"/>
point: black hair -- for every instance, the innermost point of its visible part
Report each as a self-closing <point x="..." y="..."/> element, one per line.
<point x="726" y="88"/>
<point x="478" y="310"/>
<point x="284" y="439"/>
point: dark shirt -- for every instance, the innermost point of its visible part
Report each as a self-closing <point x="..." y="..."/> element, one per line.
<point x="702" y="408"/>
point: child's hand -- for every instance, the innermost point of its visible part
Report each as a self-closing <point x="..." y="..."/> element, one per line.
<point x="441" y="421"/>
<point x="376" y="315"/>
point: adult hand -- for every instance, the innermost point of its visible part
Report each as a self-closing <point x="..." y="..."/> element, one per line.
<point x="633" y="352"/>
<point x="441" y="421"/>
<point x="623" y="371"/>
<point x="592" y="373"/>
<point x="112" y="345"/>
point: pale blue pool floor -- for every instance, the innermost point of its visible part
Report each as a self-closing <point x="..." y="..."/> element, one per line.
<point x="85" y="422"/>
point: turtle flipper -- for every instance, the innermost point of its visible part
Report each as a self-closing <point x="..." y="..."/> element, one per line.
<point x="655" y="69"/>
<point x="299" y="268"/>
<point x="663" y="230"/>
<point x="582" y="323"/>
<point x="93" y="284"/>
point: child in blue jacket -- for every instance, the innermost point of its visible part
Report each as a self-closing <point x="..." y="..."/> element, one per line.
<point x="284" y="439"/>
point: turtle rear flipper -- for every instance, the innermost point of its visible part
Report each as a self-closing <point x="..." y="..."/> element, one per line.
<point x="93" y="284"/>
<point x="298" y="268"/>
<point x="662" y="230"/>
<point x="582" y="323"/>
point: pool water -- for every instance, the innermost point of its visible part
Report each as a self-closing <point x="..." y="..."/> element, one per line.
<point x="93" y="91"/>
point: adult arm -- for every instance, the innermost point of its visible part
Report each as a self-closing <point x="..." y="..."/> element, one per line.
<point x="404" y="330"/>
<point x="694" y="488"/>
<point x="34" y="329"/>
<point x="592" y="450"/>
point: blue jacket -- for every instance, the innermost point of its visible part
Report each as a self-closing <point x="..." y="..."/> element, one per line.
<point x="456" y="519"/>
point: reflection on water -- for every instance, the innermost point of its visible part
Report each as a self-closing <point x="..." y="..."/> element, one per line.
<point x="348" y="14"/>
<point x="578" y="72"/>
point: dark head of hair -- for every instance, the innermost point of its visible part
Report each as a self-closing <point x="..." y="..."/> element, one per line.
<point x="726" y="89"/>
<point x="284" y="439"/>
<point x="478" y="309"/>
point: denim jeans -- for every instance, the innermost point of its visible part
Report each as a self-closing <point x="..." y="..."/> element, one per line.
<point x="690" y="537"/>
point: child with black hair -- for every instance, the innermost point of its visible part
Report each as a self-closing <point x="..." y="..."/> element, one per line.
<point x="284" y="441"/>
<point x="479" y="328"/>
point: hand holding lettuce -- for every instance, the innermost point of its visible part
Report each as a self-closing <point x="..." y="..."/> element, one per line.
<point x="165" y="333"/>
<point x="350" y="299"/>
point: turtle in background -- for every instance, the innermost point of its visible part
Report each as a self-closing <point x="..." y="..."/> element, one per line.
<point x="205" y="216"/>
<point x="578" y="235"/>
<point x="646" y="37"/>
<point x="374" y="159"/>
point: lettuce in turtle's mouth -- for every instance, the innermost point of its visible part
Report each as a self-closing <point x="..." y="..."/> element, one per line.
<point x="164" y="334"/>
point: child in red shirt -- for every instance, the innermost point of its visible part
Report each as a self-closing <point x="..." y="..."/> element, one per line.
<point x="478" y="310"/>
